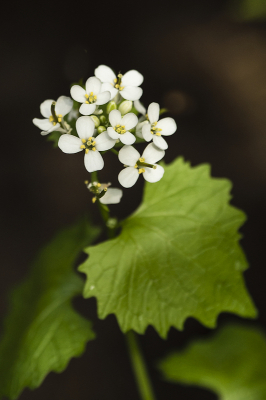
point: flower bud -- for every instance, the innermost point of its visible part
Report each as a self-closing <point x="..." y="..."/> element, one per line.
<point x="111" y="106"/>
<point x="101" y="129"/>
<point x="102" y="119"/>
<point x="95" y="120"/>
<point x="125" y="107"/>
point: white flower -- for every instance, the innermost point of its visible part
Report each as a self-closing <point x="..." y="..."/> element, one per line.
<point x="137" y="165"/>
<point x="85" y="128"/>
<point x="91" y="97"/>
<point x="121" y="125"/>
<point x="126" y="85"/>
<point x="112" y="196"/>
<point x="155" y="128"/>
<point x="49" y="124"/>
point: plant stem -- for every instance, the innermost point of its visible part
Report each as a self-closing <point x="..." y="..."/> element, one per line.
<point x="139" y="367"/>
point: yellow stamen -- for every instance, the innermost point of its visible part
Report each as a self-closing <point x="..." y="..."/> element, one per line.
<point x="93" y="143"/>
<point x="135" y="166"/>
<point x="142" y="159"/>
<point x="141" y="170"/>
<point x="115" y="80"/>
<point x="82" y="146"/>
<point x="86" y="151"/>
<point x="54" y="123"/>
<point x="86" y="95"/>
<point x="94" y="199"/>
<point x="94" y="148"/>
<point x="87" y="102"/>
<point x="91" y="93"/>
<point x="119" y="75"/>
<point x="59" y="119"/>
<point x="158" y="134"/>
<point x="83" y="140"/>
<point x="98" y="184"/>
<point x="117" y="86"/>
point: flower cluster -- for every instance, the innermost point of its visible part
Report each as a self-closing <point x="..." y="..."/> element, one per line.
<point x="112" y="118"/>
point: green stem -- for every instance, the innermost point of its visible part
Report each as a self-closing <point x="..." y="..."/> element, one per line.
<point x="114" y="151"/>
<point x="139" y="367"/>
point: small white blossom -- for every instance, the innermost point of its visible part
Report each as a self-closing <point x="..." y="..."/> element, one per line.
<point x="155" y="128"/>
<point x="121" y="125"/>
<point x="111" y="196"/>
<point x="85" y="128"/>
<point x="63" y="106"/>
<point x="137" y="165"/>
<point x="93" y="96"/>
<point x="126" y="85"/>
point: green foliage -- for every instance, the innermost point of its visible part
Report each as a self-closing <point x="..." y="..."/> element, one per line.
<point x="232" y="364"/>
<point x="177" y="256"/>
<point x="248" y="9"/>
<point x="42" y="331"/>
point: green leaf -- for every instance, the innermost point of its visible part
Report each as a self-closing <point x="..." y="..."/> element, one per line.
<point x="42" y="331"/>
<point x="177" y="256"/>
<point x="54" y="137"/>
<point x="232" y="364"/>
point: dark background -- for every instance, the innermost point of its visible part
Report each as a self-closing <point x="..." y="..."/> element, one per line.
<point x="198" y="60"/>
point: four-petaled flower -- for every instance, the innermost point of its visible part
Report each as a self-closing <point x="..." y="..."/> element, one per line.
<point x="155" y="128"/>
<point x="85" y="128"/>
<point x="121" y="125"/>
<point x="53" y="123"/>
<point x="91" y="97"/>
<point x="126" y="85"/>
<point x="136" y="165"/>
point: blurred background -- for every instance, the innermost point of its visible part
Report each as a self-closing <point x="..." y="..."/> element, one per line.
<point x="203" y="60"/>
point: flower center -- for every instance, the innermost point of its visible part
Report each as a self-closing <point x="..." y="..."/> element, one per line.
<point x="141" y="163"/>
<point x="154" y="130"/>
<point x="117" y="82"/>
<point x="120" y="129"/>
<point x="88" y="144"/>
<point x="56" y="119"/>
<point x="90" y="98"/>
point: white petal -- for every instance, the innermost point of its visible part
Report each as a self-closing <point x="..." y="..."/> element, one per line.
<point x="45" y="108"/>
<point x="112" y="196"/>
<point x="63" y="105"/>
<point x="108" y="87"/>
<point x="85" y="127"/>
<point x="153" y="112"/>
<point x="167" y="125"/>
<point x="128" y="155"/>
<point x="93" y="161"/>
<point x="146" y="132"/>
<point x="69" y="144"/>
<point x="115" y="118"/>
<point x="43" y="124"/>
<point x="103" y="98"/>
<point x="130" y="120"/>
<point x="112" y="133"/>
<point x="53" y="128"/>
<point x="160" y="142"/>
<point x="128" y="177"/>
<point x="127" y="138"/>
<point x="139" y="107"/>
<point x="104" y="73"/>
<point x="131" y="93"/>
<point x="78" y="93"/>
<point x="153" y="175"/>
<point x="93" y="85"/>
<point x="104" y="141"/>
<point x="87" y="109"/>
<point x="132" y="78"/>
<point x="152" y="154"/>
